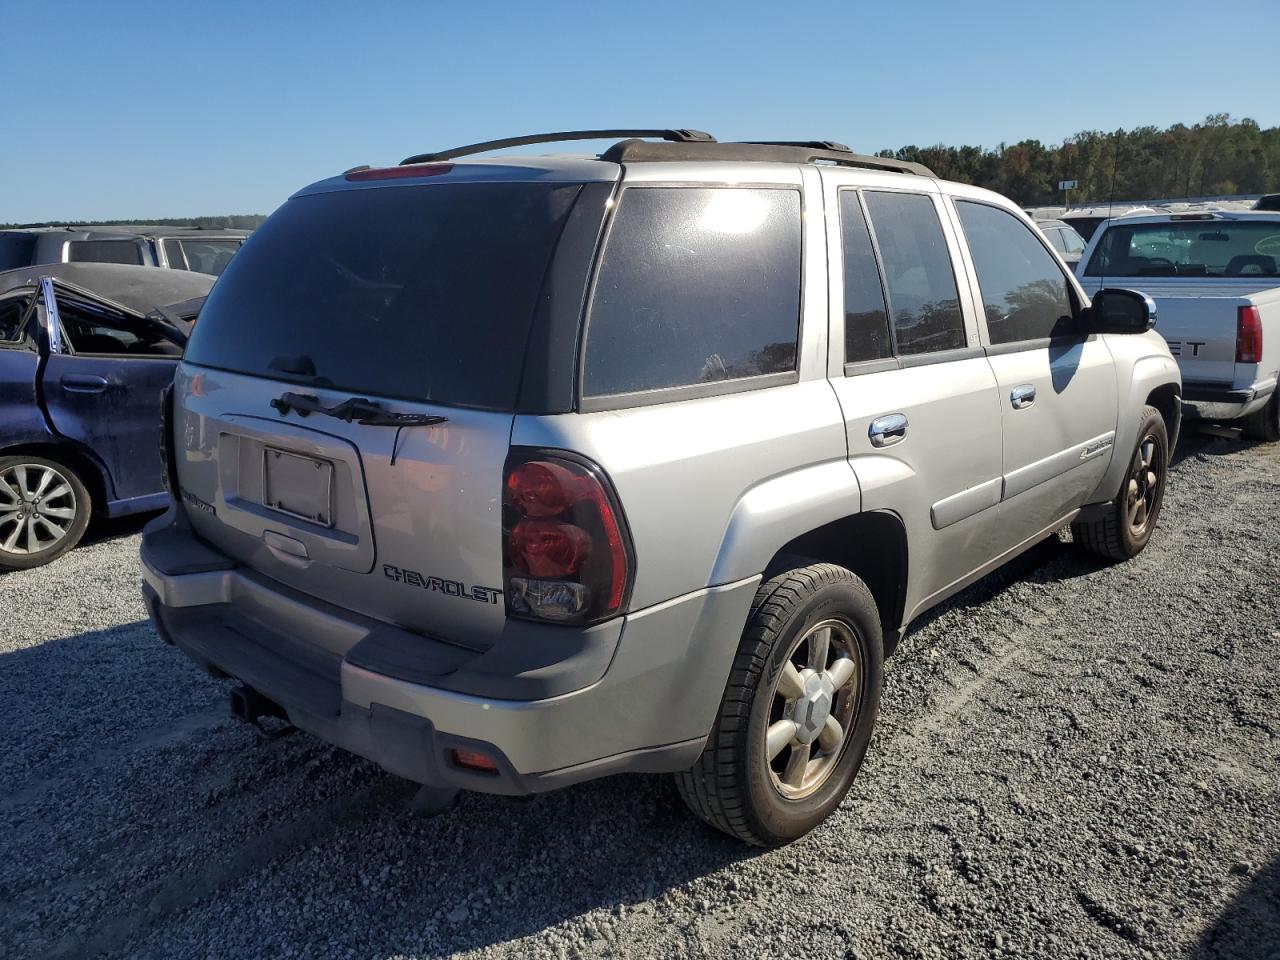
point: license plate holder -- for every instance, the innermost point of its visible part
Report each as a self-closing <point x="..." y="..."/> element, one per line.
<point x="298" y="486"/>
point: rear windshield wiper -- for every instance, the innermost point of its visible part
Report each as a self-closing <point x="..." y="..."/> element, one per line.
<point x="357" y="410"/>
<point x="354" y="410"/>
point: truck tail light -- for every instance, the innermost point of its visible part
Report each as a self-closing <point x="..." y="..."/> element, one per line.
<point x="566" y="556"/>
<point x="168" y="461"/>
<point x="1248" y="335"/>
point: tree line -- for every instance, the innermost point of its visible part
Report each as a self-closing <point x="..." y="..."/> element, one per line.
<point x="1219" y="156"/>
<point x="239" y="221"/>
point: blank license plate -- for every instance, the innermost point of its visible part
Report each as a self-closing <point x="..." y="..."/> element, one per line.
<point x="300" y="486"/>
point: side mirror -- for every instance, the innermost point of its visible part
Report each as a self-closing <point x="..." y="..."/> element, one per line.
<point x="1121" y="311"/>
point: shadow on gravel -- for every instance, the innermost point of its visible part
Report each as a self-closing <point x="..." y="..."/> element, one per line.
<point x="110" y="528"/>
<point x="1250" y="928"/>
<point x="175" y="816"/>
<point x="1209" y="440"/>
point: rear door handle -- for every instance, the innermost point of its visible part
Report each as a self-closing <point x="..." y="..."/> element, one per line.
<point x="84" y="383"/>
<point x="1023" y="396"/>
<point x="887" y="430"/>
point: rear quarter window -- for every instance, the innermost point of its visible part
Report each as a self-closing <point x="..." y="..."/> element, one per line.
<point x="697" y="286"/>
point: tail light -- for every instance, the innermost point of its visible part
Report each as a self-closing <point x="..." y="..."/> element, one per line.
<point x="168" y="462"/>
<point x="1248" y="335"/>
<point x="566" y="555"/>
<point x="402" y="172"/>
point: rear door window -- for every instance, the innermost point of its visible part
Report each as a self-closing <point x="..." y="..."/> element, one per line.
<point x="696" y="286"/>
<point x="866" y="318"/>
<point x="104" y="251"/>
<point x="1025" y="295"/>
<point x="923" y="299"/>
<point x="425" y="293"/>
<point x="173" y="253"/>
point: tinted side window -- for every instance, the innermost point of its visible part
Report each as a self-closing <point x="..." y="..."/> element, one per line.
<point x="866" y="321"/>
<point x="1024" y="293"/>
<point x="1054" y="236"/>
<point x="923" y="300"/>
<point x="103" y="251"/>
<point x="696" y="286"/>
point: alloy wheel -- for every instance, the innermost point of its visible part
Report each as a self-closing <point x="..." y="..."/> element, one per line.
<point x="37" y="508"/>
<point x="814" y="701"/>
<point x="1144" y="484"/>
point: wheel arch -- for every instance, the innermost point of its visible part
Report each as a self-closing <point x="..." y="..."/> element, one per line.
<point x="91" y="472"/>
<point x="873" y="546"/>
<point x="1167" y="398"/>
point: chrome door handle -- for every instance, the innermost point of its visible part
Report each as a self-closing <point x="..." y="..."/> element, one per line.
<point x="887" y="430"/>
<point x="83" y="383"/>
<point x="1023" y="396"/>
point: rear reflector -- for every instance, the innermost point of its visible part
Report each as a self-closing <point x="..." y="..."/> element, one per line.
<point x="1248" y="335"/>
<point x="398" y="173"/>
<point x="474" y="760"/>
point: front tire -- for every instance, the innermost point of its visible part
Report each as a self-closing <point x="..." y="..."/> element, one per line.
<point x="1125" y="529"/>
<point x="44" y="511"/>
<point x="798" y="711"/>
<point x="1264" y="425"/>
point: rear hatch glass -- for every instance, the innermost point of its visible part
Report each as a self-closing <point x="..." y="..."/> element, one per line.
<point x="422" y="293"/>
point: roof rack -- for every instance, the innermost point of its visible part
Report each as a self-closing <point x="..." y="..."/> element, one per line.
<point x="675" y="136"/>
<point x="690" y="145"/>
<point x="816" y="151"/>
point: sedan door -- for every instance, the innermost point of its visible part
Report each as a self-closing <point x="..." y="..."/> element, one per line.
<point x="1057" y="388"/>
<point x="102" y="389"/>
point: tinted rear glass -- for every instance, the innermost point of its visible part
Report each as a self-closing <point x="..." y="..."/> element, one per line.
<point x="696" y="286"/>
<point x="419" y="292"/>
<point x="104" y="251"/>
<point x="16" y="250"/>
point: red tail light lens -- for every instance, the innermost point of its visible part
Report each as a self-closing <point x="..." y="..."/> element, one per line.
<point x="566" y="557"/>
<point x="1248" y="335"/>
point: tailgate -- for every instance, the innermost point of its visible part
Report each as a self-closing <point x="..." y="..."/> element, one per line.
<point x="1201" y="333"/>
<point x="316" y="504"/>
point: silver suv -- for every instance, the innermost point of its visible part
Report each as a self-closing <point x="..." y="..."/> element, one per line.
<point x="512" y="473"/>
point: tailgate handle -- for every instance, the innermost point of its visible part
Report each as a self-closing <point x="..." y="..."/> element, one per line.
<point x="286" y="549"/>
<point x="83" y="383"/>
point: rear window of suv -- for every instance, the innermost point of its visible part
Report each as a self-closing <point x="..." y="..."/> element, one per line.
<point x="697" y="286"/>
<point x="423" y="293"/>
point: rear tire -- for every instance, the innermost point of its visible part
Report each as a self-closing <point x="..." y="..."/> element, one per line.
<point x="1264" y="424"/>
<point x="1125" y="529"/>
<point x="44" y="511"/>
<point x="758" y="779"/>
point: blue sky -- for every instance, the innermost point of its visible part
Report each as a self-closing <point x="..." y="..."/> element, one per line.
<point x="142" y="109"/>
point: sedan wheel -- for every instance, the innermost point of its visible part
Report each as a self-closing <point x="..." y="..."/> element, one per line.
<point x="43" y="511"/>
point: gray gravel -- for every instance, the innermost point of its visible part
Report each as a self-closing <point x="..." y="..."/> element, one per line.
<point x="1072" y="761"/>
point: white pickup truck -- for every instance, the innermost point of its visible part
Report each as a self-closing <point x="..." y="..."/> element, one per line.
<point x="1215" y="278"/>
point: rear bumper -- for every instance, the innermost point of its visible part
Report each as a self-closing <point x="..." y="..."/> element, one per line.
<point x="1206" y="401"/>
<point x="644" y="689"/>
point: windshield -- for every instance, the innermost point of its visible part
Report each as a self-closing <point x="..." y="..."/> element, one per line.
<point x="1188" y="248"/>
<point x="418" y="292"/>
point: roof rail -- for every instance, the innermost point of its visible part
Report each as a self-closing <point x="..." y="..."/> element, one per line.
<point x="814" y="151"/>
<point x="675" y="136"/>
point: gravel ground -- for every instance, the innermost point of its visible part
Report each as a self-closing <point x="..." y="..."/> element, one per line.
<point x="1072" y="761"/>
